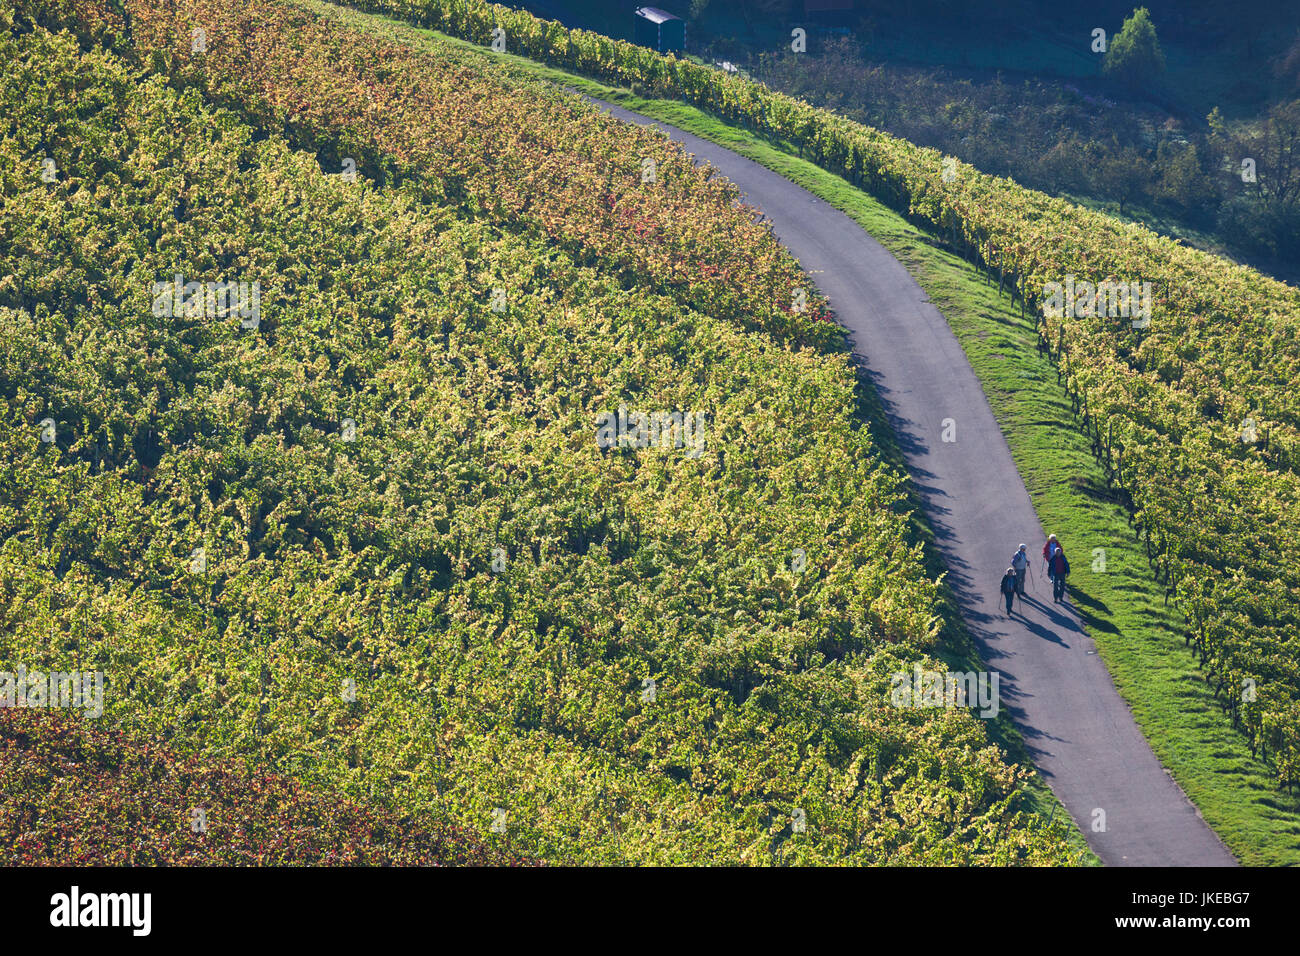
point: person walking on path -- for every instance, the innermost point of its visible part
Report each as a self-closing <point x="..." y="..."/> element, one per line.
<point x="1020" y="564"/>
<point x="1059" y="568"/>
<point x="1050" y="547"/>
<point x="1008" y="588"/>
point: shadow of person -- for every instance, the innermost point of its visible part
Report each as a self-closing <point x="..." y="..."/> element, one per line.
<point x="1078" y="596"/>
<point x="1046" y="633"/>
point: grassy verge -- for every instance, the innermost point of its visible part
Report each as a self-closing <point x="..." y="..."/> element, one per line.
<point x="1120" y="602"/>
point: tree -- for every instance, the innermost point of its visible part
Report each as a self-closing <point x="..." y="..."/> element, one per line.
<point x="1182" y="182"/>
<point x="1269" y="209"/>
<point x="1062" y="168"/>
<point x="1122" y="174"/>
<point x="1273" y="142"/>
<point x="1135" y="57"/>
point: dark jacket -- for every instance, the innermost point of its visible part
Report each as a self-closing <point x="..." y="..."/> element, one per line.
<point x="1008" y="585"/>
<point x="1059" y="565"/>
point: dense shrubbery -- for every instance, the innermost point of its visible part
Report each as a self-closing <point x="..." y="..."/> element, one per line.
<point x="499" y="591"/>
<point x="1055" y="137"/>
<point x="76" y="794"/>
<point x="1134" y="139"/>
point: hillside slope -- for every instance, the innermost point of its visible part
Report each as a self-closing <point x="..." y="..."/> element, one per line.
<point x="365" y="534"/>
<point x="1080" y="732"/>
<point x="1185" y="387"/>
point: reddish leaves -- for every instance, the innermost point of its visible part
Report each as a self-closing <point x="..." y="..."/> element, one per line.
<point x="79" y="794"/>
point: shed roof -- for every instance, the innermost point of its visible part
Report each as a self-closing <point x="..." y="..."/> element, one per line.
<point x="655" y="15"/>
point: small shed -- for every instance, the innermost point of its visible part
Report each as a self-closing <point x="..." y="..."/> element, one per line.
<point x="660" y="30"/>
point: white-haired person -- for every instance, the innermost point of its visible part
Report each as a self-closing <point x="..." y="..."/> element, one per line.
<point x="1020" y="564"/>
<point x="1050" y="547"/>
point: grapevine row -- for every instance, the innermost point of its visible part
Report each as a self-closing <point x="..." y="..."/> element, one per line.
<point x="200" y="524"/>
<point x="1195" y="415"/>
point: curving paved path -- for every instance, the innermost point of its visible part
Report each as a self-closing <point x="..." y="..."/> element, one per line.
<point x="1080" y="732"/>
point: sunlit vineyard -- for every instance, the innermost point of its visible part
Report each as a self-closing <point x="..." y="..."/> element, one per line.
<point x="1195" y="416"/>
<point x="368" y="542"/>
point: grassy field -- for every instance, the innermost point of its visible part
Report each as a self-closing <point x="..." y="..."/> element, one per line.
<point x="1122" y="605"/>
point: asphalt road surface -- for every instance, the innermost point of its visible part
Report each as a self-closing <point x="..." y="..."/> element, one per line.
<point x="1080" y="732"/>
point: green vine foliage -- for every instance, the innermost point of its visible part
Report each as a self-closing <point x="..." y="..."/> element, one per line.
<point x="1195" y="415"/>
<point x="459" y="607"/>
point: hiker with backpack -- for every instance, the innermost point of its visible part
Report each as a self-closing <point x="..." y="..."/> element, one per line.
<point x="1020" y="564"/>
<point x="1008" y="588"/>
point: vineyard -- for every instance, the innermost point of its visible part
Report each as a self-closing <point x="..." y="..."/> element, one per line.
<point x="78" y="795"/>
<point x="363" y="537"/>
<point x="1194" y="415"/>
